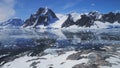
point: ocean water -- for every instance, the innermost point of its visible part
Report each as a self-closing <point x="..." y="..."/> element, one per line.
<point x="102" y="45"/>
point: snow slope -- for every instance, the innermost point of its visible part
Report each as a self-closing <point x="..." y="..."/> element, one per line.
<point x="96" y="25"/>
<point x="75" y="16"/>
<point x="99" y="24"/>
<point x="59" y="22"/>
<point x="47" y="61"/>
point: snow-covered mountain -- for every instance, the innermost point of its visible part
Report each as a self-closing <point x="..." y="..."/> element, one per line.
<point x="93" y="20"/>
<point x="12" y="23"/>
<point x="46" y="18"/>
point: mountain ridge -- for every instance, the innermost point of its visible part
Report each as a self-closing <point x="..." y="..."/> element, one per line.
<point x="47" y="18"/>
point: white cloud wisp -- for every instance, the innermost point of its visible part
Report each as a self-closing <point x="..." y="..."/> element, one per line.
<point x="7" y="10"/>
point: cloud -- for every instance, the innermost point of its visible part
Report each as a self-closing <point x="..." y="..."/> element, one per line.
<point x="6" y="9"/>
<point x="92" y="4"/>
<point x="68" y="5"/>
<point x="71" y="4"/>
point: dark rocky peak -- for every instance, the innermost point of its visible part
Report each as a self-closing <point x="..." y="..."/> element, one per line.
<point x="46" y="11"/>
<point x="110" y="17"/>
<point x="85" y="20"/>
<point x="43" y="16"/>
<point x="68" y="22"/>
<point x="118" y="17"/>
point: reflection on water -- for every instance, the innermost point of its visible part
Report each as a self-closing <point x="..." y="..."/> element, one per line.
<point x="16" y="38"/>
<point x="100" y="44"/>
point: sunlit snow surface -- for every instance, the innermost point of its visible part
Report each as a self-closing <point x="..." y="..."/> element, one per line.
<point x="60" y="48"/>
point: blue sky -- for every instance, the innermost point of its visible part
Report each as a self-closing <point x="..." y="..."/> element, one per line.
<point x="23" y="8"/>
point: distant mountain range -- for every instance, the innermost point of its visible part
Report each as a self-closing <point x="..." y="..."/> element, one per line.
<point x="46" y="18"/>
<point x="12" y="23"/>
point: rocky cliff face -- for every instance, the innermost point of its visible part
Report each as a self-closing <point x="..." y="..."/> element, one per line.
<point x="111" y="17"/>
<point x="44" y="16"/>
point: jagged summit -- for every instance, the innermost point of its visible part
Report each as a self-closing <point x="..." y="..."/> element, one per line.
<point x="93" y="18"/>
<point x="44" y="16"/>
